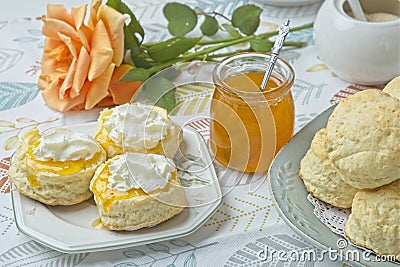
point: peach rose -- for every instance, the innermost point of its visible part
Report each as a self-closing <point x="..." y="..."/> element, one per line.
<point x="81" y="64"/>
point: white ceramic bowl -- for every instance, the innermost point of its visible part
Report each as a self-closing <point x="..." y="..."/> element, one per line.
<point x="288" y="3"/>
<point x="357" y="51"/>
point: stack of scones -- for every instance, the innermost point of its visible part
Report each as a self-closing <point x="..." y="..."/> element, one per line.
<point x="126" y="166"/>
<point x="355" y="163"/>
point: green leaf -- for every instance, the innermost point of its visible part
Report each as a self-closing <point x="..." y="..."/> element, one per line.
<point x="260" y="45"/>
<point x="247" y="18"/>
<point x="209" y="27"/>
<point x="140" y="58"/>
<point x="130" y="39"/>
<point x="137" y="74"/>
<point x="161" y="91"/>
<point x="172" y="48"/>
<point x="181" y="18"/>
<point x="133" y="28"/>
<point x="230" y="29"/>
<point x="171" y="73"/>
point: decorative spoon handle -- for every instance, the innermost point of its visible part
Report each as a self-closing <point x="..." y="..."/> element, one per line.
<point x="283" y="32"/>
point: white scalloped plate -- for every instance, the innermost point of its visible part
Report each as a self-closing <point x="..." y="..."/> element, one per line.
<point x="290" y="196"/>
<point x="70" y="228"/>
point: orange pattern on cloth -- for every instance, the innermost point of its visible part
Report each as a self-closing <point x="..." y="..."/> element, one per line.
<point x="4" y="182"/>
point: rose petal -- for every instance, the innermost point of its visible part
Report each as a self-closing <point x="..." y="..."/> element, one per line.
<point x="101" y="54"/>
<point x="114" y="22"/>
<point x="85" y="36"/>
<point x="72" y="46"/>
<point x="107" y="101"/>
<point x="51" y="28"/>
<point x="99" y="88"/>
<point x="59" y="12"/>
<point x="57" y="53"/>
<point x="94" y="7"/>
<point x="50" y="60"/>
<point x="53" y="79"/>
<point x="50" y="96"/>
<point x="83" y="31"/>
<point x="67" y="84"/>
<point x="122" y="92"/>
<point x="82" y="70"/>
<point x="78" y="15"/>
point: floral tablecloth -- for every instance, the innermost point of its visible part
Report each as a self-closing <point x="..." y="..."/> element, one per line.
<point x="247" y="220"/>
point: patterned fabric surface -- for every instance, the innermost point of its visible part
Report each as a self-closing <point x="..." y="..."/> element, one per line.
<point x="246" y="222"/>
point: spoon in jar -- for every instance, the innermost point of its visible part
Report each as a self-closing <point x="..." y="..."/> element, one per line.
<point x="282" y="33"/>
<point x="357" y="10"/>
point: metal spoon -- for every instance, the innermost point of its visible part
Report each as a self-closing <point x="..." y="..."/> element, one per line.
<point x="282" y="33"/>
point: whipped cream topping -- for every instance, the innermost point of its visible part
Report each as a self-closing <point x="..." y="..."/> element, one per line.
<point x="136" y="170"/>
<point x="62" y="145"/>
<point x="137" y="126"/>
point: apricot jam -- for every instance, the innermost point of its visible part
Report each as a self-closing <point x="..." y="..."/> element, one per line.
<point x="282" y="110"/>
<point x="249" y="126"/>
<point x="108" y="195"/>
<point x="61" y="168"/>
<point x="58" y="167"/>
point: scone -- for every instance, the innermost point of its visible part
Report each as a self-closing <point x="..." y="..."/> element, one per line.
<point x="136" y="190"/>
<point x="393" y="88"/>
<point x="321" y="178"/>
<point x="56" y="167"/>
<point x="363" y="136"/>
<point x="375" y="220"/>
<point x="137" y="128"/>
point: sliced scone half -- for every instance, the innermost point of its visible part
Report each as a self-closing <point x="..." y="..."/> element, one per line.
<point x="136" y="127"/>
<point x="136" y="190"/>
<point x="56" y="167"/>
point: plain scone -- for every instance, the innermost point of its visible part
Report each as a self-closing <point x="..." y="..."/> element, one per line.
<point x="51" y="188"/>
<point x="167" y="146"/>
<point x="321" y="178"/>
<point x="363" y="136"/>
<point x="393" y="88"/>
<point x="375" y="220"/>
<point x="139" y="211"/>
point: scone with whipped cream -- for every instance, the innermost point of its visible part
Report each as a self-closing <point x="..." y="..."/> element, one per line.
<point x="374" y="222"/>
<point x="136" y="190"/>
<point x="137" y="128"/>
<point x="56" y="167"/>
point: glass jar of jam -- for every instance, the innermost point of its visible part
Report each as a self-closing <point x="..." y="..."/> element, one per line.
<point x="250" y="125"/>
